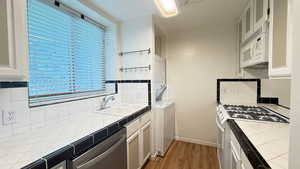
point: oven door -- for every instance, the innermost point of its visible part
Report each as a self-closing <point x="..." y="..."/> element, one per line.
<point x="220" y="142"/>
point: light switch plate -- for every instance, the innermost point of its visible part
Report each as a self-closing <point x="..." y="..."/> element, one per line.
<point x="8" y="117"/>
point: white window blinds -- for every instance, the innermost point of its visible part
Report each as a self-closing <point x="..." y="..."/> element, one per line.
<point x="66" y="53"/>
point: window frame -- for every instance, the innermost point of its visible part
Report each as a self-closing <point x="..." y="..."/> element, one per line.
<point x="57" y="98"/>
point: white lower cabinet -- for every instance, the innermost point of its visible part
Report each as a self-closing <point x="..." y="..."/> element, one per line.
<point x="238" y="159"/>
<point x="133" y="151"/>
<point x="145" y="135"/>
<point x="138" y="142"/>
<point x="235" y="156"/>
<point x="235" y="161"/>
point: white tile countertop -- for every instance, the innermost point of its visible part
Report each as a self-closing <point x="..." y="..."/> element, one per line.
<point x="19" y="150"/>
<point x="270" y="139"/>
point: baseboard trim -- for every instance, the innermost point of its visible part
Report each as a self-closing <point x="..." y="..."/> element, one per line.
<point x="196" y="141"/>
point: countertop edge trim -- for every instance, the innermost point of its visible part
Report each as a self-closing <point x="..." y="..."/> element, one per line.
<point x="42" y="165"/>
<point x="254" y="157"/>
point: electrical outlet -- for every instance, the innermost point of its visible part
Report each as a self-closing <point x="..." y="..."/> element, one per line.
<point x="8" y="117"/>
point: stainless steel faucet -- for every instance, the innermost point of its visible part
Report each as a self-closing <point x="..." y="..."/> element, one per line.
<point x="104" y="102"/>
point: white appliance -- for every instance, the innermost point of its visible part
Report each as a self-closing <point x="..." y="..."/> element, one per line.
<point x="255" y="52"/>
<point x="241" y="112"/>
<point x="165" y="126"/>
<point x="109" y="154"/>
<point x="222" y="138"/>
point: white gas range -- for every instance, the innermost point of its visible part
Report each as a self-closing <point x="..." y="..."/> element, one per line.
<point x="244" y="112"/>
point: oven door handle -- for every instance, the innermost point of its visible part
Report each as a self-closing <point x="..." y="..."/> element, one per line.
<point x="219" y="125"/>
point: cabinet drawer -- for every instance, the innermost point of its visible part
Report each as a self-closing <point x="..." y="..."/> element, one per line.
<point x="145" y="118"/>
<point x="133" y="126"/>
<point x="235" y="145"/>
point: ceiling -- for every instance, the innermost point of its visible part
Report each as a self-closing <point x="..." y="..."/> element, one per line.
<point x="193" y="13"/>
<point x="127" y="9"/>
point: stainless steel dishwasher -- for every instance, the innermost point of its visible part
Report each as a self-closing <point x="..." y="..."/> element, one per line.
<point x="109" y="154"/>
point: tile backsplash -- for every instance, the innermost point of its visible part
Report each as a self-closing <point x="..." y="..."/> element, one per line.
<point x="134" y="93"/>
<point x="276" y="91"/>
<point x="16" y="100"/>
<point x="27" y="119"/>
<point x="238" y="92"/>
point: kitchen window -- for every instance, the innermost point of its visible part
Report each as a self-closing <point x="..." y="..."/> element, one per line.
<point x="66" y="54"/>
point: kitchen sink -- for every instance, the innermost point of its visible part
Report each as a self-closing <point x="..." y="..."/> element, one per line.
<point x="119" y="110"/>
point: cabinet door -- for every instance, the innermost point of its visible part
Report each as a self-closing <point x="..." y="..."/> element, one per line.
<point x="235" y="162"/>
<point x="242" y="166"/>
<point x="146" y="140"/>
<point x="133" y="151"/>
<point x="280" y="36"/>
<point x="239" y="47"/>
<point x="13" y="42"/>
<point x="246" y="55"/>
<point x="248" y="21"/>
<point x="4" y="32"/>
<point x="260" y="11"/>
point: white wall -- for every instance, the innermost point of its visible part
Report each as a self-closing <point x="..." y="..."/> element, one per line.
<point x="280" y="88"/>
<point x="294" y="162"/>
<point x="195" y="60"/>
<point x="137" y="34"/>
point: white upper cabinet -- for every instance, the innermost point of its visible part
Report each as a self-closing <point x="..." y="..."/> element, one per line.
<point x="266" y="37"/>
<point x="254" y="17"/>
<point x="280" y="39"/>
<point x="246" y="55"/>
<point x="239" y="45"/>
<point x="13" y="41"/>
<point x="247" y="21"/>
<point x="260" y="13"/>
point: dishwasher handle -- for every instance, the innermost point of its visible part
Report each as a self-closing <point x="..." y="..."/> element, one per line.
<point x="101" y="156"/>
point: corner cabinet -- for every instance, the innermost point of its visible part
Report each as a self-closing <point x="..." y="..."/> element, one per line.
<point x="14" y="41"/>
<point x="280" y="39"/>
<point x="139" y="139"/>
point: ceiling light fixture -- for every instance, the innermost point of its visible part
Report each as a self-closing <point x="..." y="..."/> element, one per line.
<point x="167" y="8"/>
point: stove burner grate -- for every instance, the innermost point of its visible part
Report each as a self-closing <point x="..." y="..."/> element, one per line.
<point x="253" y="113"/>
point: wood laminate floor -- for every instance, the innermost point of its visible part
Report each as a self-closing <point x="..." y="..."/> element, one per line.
<point x="182" y="155"/>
